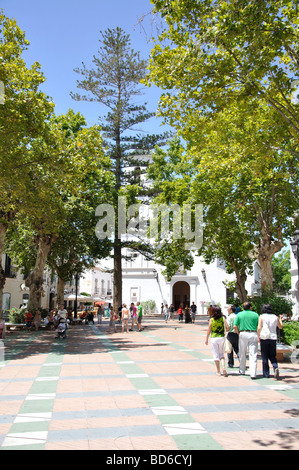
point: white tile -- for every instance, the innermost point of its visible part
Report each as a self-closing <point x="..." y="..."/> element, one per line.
<point x="33" y="417"/>
<point x="26" y="438"/>
<point x="51" y="364"/>
<point x="46" y="379"/>
<point x="152" y="391"/>
<point x="40" y="396"/>
<point x="168" y="410"/>
<point x="184" y="428"/>
<point x="135" y="376"/>
<point x="279" y="387"/>
<point x="124" y="362"/>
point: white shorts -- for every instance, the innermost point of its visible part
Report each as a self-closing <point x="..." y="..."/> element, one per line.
<point x="217" y="347"/>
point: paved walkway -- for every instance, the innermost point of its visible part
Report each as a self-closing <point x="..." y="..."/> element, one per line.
<point x="150" y="390"/>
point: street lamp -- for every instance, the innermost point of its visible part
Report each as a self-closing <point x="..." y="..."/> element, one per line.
<point x="295" y="249"/>
<point x="203" y="272"/>
<point x="76" y="295"/>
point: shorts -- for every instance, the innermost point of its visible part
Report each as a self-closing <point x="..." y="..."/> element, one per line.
<point x="217" y="347"/>
<point x="139" y="319"/>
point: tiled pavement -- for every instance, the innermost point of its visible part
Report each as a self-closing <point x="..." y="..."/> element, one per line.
<point x="150" y="390"/>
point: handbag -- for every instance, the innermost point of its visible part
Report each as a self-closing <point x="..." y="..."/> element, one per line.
<point x="227" y="346"/>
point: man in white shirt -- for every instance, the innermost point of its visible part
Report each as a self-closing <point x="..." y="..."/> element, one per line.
<point x="62" y="313"/>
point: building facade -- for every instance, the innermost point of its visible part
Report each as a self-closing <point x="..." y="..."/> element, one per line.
<point x="143" y="280"/>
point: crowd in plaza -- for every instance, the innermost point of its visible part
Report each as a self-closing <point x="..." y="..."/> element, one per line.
<point x="234" y="334"/>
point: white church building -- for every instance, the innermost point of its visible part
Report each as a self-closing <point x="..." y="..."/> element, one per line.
<point x="203" y="284"/>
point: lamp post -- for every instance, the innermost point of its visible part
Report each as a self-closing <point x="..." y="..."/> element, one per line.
<point x="204" y="275"/>
<point x="76" y="295"/>
<point x="295" y="249"/>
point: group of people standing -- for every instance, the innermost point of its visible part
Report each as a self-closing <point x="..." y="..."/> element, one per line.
<point x="133" y="313"/>
<point x="188" y="312"/>
<point x="244" y="331"/>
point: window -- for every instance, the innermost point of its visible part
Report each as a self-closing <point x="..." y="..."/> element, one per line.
<point x="6" y="301"/>
<point x="102" y="287"/>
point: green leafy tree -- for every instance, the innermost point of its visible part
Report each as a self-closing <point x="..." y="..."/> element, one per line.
<point x="77" y="246"/>
<point x="173" y="174"/>
<point x="281" y="272"/>
<point x="228" y="71"/>
<point x="60" y="197"/>
<point x="24" y="114"/>
<point x="212" y="53"/>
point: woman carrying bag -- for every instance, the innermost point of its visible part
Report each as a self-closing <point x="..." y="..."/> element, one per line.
<point x="217" y="327"/>
<point x="267" y="332"/>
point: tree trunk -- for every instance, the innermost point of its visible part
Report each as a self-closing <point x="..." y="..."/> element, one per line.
<point x="266" y="250"/>
<point x="60" y="292"/>
<point x="117" y="276"/>
<point x="35" y="279"/>
<point x="3" y="230"/>
<point x="240" y="282"/>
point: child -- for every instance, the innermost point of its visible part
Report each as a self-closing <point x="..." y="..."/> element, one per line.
<point x="113" y="318"/>
<point x="28" y="319"/>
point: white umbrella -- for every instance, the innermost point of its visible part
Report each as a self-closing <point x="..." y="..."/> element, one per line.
<point x="80" y="298"/>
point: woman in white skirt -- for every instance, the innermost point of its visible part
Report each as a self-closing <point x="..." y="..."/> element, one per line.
<point x="217" y="327"/>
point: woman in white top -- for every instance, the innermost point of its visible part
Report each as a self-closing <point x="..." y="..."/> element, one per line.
<point x="267" y="331"/>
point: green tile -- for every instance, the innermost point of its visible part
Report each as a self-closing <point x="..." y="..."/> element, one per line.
<point x="196" y="442"/>
<point x="50" y="371"/>
<point x="29" y="427"/>
<point x="159" y="400"/>
<point x="37" y="406"/>
<point x="179" y="418"/>
<point x="294" y="393"/>
<point x="144" y="383"/>
<point x="130" y="369"/>
<point x="44" y="387"/>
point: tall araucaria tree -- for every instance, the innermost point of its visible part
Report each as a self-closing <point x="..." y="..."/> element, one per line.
<point x="114" y="82"/>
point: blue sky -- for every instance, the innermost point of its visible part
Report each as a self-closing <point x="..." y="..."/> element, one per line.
<point x="65" y="33"/>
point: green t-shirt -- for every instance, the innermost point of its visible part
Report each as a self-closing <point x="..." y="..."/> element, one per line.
<point x="217" y="327"/>
<point x="247" y="320"/>
<point x="139" y="311"/>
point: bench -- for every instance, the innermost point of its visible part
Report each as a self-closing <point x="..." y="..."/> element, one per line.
<point x="21" y="326"/>
<point x="15" y="326"/>
<point x="282" y="350"/>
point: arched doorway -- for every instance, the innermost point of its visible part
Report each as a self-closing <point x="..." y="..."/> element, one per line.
<point x="180" y="294"/>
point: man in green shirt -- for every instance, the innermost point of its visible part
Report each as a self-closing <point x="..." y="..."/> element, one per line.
<point x="245" y="325"/>
<point x="139" y="316"/>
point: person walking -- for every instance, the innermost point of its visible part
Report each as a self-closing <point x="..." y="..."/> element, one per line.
<point x="217" y="327"/>
<point x="180" y="313"/>
<point x="193" y="309"/>
<point x="187" y="314"/>
<point x="139" y="316"/>
<point x="267" y="332"/>
<point x="232" y="336"/>
<point x="100" y="314"/>
<point x="166" y="313"/>
<point x="133" y="315"/>
<point x="245" y="325"/>
<point x="113" y="318"/>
